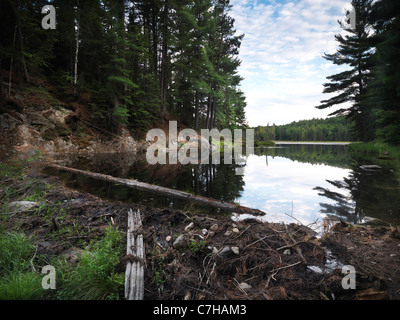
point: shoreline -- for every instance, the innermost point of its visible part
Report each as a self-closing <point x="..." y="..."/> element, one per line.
<point x="237" y="259"/>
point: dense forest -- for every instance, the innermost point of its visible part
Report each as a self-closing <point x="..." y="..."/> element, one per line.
<point x="132" y="62"/>
<point x="330" y="129"/>
<point x="371" y="84"/>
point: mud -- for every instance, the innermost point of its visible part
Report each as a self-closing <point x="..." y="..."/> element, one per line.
<point x="220" y="258"/>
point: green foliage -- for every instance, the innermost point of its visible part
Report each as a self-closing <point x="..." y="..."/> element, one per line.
<point x="15" y="252"/>
<point x="196" y="247"/>
<point x="95" y="277"/>
<point x="18" y="282"/>
<point x="330" y="129"/>
<point x="21" y="286"/>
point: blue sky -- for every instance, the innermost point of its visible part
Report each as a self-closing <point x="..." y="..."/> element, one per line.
<point x="281" y="55"/>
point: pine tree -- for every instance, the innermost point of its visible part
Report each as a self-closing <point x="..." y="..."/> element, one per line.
<point x="354" y="50"/>
<point x="384" y="94"/>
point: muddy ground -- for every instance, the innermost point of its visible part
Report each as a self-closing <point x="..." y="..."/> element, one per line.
<point x="220" y="258"/>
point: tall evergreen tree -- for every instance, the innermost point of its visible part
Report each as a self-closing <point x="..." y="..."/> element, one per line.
<point x="384" y="93"/>
<point x="354" y="50"/>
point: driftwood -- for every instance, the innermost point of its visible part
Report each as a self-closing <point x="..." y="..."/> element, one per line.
<point x="165" y="191"/>
<point x="134" y="274"/>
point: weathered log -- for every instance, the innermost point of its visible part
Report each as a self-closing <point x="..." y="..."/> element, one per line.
<point x="165" y="191"/>
<point x="134" y="273"/>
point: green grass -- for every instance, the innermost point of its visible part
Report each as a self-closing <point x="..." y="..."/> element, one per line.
<point x="17" y="280"/>
<point x="95" y="277"/>
<point x="16" y="250"/>
<point x="264" y="143"/>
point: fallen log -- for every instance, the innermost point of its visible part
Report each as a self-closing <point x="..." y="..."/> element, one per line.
<point x="134" y="273"/>
<point x="165" y="191"/>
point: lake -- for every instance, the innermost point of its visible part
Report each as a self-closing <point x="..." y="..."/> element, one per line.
<point x="290" y="182"/>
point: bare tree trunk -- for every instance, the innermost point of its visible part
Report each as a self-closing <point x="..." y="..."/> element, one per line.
<point x="21" y="39"/>
<point x="164" y="62"/>
<point x="165" y="191"/>
<point x="11" y="64"/>
<point x="76" y="48"/>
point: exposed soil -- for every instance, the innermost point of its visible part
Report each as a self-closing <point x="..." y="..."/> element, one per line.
<point x="239" y="260"/>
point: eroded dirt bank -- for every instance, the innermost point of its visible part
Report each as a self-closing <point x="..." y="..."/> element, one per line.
<point x="216" y="257"/>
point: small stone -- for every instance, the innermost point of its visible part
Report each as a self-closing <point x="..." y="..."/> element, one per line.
<point x="235" y="230"/>
<point x="287" y="252"/>
<point x="235" y="250"/>
<point x="228" y="233"/>
<point x="204" y="232"/>
<point x="168" y="238"/>
<point x="211" y="234"/>
<point x="244" y="286"/>
<point x="187" y="295"/>
<point x="189" y="227"/>
<point x="179" y="242"/>
<point x="225" y="251"/>
<point x="214" y="227"/>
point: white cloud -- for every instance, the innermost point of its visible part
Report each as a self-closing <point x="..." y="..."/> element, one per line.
<point x="281" y="56"/>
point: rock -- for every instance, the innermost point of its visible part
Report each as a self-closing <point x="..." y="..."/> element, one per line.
<point x="224" y="252"/>
<point x="235" y="230"/>
<point x="244" y="286"/>
<point x="21" y="205"/>
<point x="287" y="252"/>
<point x="370" y="167"/>
<point x="168" y="238"/>
<point x="214" y="227"/>
<point x="189" y="227"/>
<point x="73" y="254"/>
<point x="235" y="250"/>
<point x="211" y="234"/>
<point x="228" y="233"/>
<point x="187" y="296"/>
<point x="204" y="232"/>
<point x="179" y="242"/>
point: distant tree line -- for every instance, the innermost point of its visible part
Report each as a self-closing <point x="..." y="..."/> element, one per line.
<point x="330" y="129"/>
<point x="371" y="84"/>
<point x="136" y="61"/>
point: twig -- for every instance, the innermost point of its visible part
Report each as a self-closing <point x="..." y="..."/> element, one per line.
<point x="257" y="241"/>
<point x="15" y="212"/>
<point x="31" y="262"/>
<point x="241" y="233"/>
<point x="294" y="218"/>
<point x="285" y="267"/>
<point x="291" y="245"/>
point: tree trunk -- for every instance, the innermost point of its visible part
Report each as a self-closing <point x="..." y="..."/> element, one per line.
<point x="21" y="40"/>
<point x="11" y="64"/>
<point x="196" y="110"/>
<point x="76" y="48"/>
<point x="231" y="207"/>
<point x="164" y="60"/>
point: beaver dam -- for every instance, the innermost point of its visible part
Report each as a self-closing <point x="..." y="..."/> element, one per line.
<point x="193" y="256"/>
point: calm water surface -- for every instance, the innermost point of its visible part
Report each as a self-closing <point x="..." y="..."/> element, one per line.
<point x="291" y="182"/>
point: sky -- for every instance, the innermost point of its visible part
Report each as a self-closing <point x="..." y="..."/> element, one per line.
<point x="281" y="56"/>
